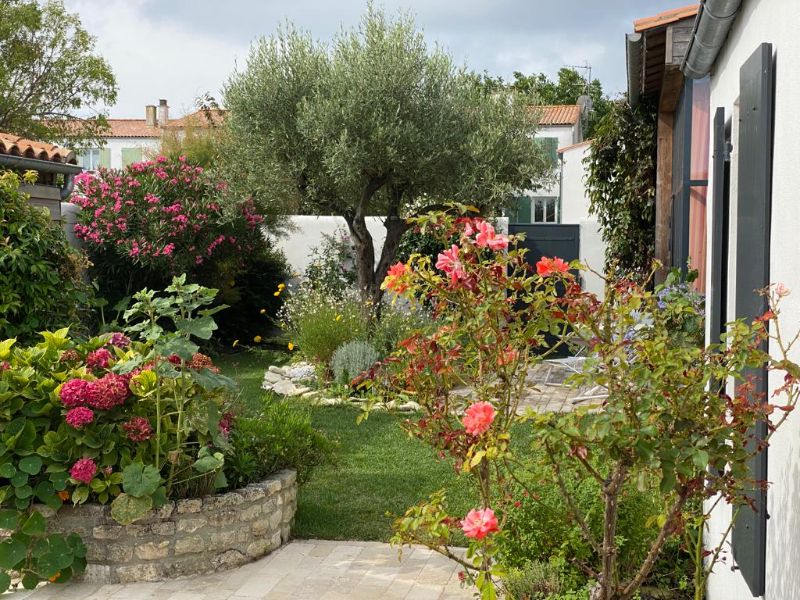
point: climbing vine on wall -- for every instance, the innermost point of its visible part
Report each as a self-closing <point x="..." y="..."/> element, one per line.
<point x="621" y="186"/>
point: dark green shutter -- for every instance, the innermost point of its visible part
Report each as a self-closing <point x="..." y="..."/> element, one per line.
<point x="550" y="147"/>
<point x="752" y="272"/>
<point x="719" y="210"/>
<point x="131" y="155"/>
<point x="105" y="157"/>
<point x="522" y="210"/>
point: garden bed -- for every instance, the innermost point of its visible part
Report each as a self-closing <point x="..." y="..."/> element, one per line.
<point x="184" y="537"/>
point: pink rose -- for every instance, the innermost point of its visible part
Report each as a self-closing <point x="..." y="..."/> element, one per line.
<point x="782" y="290"/>
<point x="479" y="523"/>
<point x="478" y="418"/>
<point x="83" y="470"/>
<point x="549" y="266"/>
<point x="487" y="238"/>
<point x="449" y="262"/>
<point x="79" y="416"/>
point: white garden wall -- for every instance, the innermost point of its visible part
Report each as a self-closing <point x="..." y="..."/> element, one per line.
<point x="773" y="21"/>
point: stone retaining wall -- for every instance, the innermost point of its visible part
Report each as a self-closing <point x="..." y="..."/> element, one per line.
<point x="184" y="537"/>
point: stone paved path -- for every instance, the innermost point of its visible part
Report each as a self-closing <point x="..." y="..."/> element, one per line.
<point x="301" y="570"/>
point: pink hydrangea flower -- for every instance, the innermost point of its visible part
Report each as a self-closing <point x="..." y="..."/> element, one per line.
<point x="78" y="392"/>
<point x="479" y="523"/>
<point x="478" y="418"/>
<point x="83" y="470"/>
<point x="119" y="340"/>
<point x="99" y="359"/>
<point x="79" y="416"/>
<point x="449" y="262"/>
<point x="487" y="238"/>
<point x="138" y="429"/>
<point x="226" y="424"/>
<point x="111" y="391"/>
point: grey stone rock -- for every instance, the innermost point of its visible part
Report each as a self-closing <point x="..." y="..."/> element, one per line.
<point x="277" y="370"/>
<point x="285" y="388"/>
<point x="270" y="377"/>
<point x="258" y="548"/>
<point x="186" y="525"/>
<point x="152" y="550"/>
<point x="190" y="545"/>
<point x="190" y="505"/>
<point x="231" y="558"/>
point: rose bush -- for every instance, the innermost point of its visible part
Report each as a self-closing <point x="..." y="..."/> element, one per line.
<point x="665" y="421"/>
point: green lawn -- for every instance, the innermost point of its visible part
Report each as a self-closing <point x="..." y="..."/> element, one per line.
<point x="377" y="471"/>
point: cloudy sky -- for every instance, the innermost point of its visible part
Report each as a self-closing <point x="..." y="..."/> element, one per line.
<point x="179" y="49"/>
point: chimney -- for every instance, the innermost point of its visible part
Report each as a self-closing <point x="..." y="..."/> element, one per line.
<point x="150" y="115"/>
<point x="163" y="113"/>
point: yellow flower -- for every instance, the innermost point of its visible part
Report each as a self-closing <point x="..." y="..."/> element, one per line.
<point x="338" y="318"/>
<point x="278" y="293"/>
<point x="257" y="339"/>
<point x="263" y="311"/>
<point x="290" y="346"/>
<point x="281" y="286"/>
<point x="235" y="343"/>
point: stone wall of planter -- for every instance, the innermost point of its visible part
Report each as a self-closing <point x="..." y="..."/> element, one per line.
<point x="184" y="537"/>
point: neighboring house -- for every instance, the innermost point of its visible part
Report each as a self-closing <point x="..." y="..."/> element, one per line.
<point x="133" y="140"/>
<point x="727" y="201"/>
<point x="54" y="165"/>
<point x="559" y="126"/>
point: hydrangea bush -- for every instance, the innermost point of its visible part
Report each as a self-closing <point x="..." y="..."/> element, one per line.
<point x="664" y="420"/>
<point x="129" y="419"/>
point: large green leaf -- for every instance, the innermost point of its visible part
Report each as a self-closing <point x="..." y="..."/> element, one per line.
<point x="125" y="509"/>
<point x="140" y="480"/>
<point x="5" y="581"/>
<point x="35" y="524"/>
<point x="9" y="519"/>
<point x="12" y="551"/>
<point x="31" y="465"/>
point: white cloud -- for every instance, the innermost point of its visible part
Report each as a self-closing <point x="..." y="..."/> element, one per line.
<point x="155" y="58"/>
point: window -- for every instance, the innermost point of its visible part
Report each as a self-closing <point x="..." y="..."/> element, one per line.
<point x="89" y="159"/>
<point x="545" y="210"/>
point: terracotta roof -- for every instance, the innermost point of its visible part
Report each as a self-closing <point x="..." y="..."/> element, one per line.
<point x="558" y="114"/>
<point x="13" y="145"/>
<point x="132" y="128"/>
<point x="201" y="118"/>
<point x="666" y="17"/>
<point x="573" y="146"/>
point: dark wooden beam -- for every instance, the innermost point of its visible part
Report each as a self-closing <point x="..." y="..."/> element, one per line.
<point x="664" y="193"/>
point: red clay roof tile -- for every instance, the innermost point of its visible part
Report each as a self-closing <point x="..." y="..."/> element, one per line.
<point x="666" y="17"/>
<point x="13" y="145"/>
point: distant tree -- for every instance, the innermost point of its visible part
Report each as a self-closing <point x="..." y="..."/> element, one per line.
<point x="50" y="74"/>
<point x="200" y="140"/>
<point x="569" y="86"/>
<point x="375" y="124"/>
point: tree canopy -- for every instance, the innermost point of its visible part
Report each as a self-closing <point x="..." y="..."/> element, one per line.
<point x="50" y="74"/>
<point x="375" y="123"/>
<point x="566" y="89"/>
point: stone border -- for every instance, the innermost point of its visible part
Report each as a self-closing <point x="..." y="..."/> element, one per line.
<point x="184" y="537"/>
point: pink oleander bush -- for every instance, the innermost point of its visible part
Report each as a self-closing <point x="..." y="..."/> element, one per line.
<point x="159" y="218"/>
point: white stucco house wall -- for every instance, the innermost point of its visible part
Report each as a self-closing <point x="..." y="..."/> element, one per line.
<point x="775" y="22"/>
<point x="575" y="210"/>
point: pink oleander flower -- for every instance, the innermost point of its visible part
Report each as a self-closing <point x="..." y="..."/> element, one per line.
<point x="112" y="391"/>
<point x="99" y="359"/>
<point x="79" y="416"/>
<point x="478" y="418"/>
<point x="449" y="262"/>
<point x="4" y="366"/>
<point x="395" y="278"/>
<point x="83" y="470"/>
<point x="138" y="429"/>
<point x="487" y="238"/>
<point x="479" y="523"/>
<point x="119" y="340"/>
<point x="168" y="249"/>
<point x="78" y="392"/>
<point x="549" y="266"/>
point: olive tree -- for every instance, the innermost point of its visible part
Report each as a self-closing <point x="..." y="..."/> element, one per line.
<point x="374" y="123"/>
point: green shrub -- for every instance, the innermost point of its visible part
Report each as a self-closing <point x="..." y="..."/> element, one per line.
<point x="352" y="359"/>
<point x="41" y="284"/>
<point x="397" y="323"/>
<point x="534" y="581"/>
<point x="278" y="436"/>
<point x="331" y="267"/>
<point x="318" y="322"/>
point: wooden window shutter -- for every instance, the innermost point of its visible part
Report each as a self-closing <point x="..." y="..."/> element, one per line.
<point x="131" y="155"/>
<point x="105" y="157"/>
<point x="756" y="92"/>
<point x="550" y="146"/>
